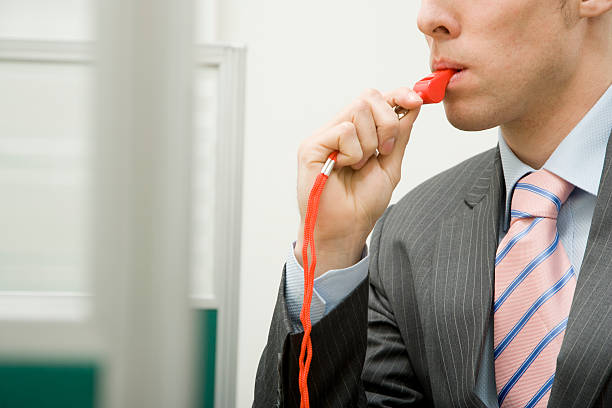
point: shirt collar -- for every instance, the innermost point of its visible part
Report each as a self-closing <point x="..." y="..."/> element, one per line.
<point x="579" y="158"/>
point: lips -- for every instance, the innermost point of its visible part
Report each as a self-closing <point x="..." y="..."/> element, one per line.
<point x="441" y="63"/>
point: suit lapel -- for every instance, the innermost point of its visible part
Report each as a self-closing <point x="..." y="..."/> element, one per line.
<point x="585" y="360"/>
<point x="462" y="281"/>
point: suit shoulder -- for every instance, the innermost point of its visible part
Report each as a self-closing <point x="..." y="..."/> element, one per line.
<point x="441" y="194"/>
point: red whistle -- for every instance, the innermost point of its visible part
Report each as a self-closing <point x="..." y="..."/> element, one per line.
<point x="433" y="87"/>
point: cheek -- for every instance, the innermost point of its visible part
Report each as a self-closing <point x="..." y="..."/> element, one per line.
<point x="535" y="57"/>
<point x="508" y="32"/>
<point x="514" y="47"/>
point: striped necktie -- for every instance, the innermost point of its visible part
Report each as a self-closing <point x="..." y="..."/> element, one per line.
<point x="534" y="286"/>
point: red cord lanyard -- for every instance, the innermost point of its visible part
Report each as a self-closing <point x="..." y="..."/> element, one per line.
<point x="431" y="89"/>
<point x="309" y="225"/>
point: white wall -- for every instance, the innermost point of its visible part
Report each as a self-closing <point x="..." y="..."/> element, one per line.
<point x="305" y="61"/>
<point x="74" y="19"/>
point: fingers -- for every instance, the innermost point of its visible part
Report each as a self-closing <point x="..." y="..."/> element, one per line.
<point x="341" y="137"/>
<point x="376" y="123"/>
<point x="410" y="100"/>
<point x="387" y="122"/>
<point x="407" y="99"/>
<point x="366" y="125"/>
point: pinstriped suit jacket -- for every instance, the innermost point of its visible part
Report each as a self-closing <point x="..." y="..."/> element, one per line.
<point x="413" y="333"/>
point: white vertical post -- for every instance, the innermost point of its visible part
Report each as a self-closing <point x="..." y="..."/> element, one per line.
<point x="142" y="196"/>
<point x="228" y="222"/>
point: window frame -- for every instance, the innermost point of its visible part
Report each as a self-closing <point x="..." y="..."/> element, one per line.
<point x="66" y="336"/>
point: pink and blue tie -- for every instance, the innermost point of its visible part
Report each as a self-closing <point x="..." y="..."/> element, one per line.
<point x="534" y="286"/>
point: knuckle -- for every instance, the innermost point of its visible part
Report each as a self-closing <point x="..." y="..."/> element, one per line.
<point x="302" y="150"/>
<point x="372" y="93"/>
<point x="348" y="127"/>
<point x="406" y="89"/>
<point x="360" y="104"/>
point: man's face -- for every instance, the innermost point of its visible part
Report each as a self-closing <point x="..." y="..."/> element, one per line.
<point x="516" y="54"/>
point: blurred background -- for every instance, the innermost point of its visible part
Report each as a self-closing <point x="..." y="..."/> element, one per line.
<point x="147" y="182"/>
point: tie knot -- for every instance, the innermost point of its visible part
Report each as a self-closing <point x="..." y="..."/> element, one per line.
<point x="539" y="194"/>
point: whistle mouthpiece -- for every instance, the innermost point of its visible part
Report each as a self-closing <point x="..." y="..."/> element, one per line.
<point x="432" y="88"/>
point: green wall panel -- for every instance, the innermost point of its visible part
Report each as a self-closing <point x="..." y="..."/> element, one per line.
<point x="69" y="384"/>
<point x="208" y="342"/>
<point x="47" y="385"/>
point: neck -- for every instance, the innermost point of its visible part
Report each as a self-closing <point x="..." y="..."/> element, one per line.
<point x="535" y="136"/>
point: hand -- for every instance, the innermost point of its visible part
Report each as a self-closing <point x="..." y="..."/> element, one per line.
<point x="360" y="186"/>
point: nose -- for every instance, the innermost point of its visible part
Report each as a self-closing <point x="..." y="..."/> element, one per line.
<point x="437" y="19"/>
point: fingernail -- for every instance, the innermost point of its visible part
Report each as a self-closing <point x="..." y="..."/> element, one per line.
<point x="387" y="147"/>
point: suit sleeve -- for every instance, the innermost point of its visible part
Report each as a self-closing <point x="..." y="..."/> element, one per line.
<point x="329" y="289"/>
<point x="359" y="359"/>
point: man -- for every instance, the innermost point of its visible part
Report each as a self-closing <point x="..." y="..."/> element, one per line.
<point x="491" y="283"/>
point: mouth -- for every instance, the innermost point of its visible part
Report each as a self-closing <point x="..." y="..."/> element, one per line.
<point x="441" y="63"/>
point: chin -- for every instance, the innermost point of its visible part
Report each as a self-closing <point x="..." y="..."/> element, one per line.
<point x="470" y="116"/>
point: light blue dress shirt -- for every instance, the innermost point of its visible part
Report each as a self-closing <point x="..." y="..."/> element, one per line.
<point x="579" y="159"/>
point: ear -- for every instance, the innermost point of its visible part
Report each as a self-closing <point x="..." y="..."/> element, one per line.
<point x="594" y="8"/>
